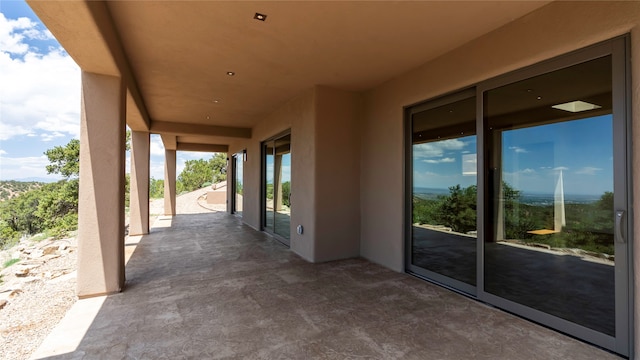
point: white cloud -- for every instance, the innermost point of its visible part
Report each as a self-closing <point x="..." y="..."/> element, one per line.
<point x="439" y="161"/>
<point x="286" y="173"/>
<point x="25" y="167"/>
<point x="518" y="149"/>
<point x="39" y="92"/>
<point x="13" y="33"/>
<point x="8" y="131"/>
<point x="527" y="171"/>
<point x="2" y="152"/>
<point x="50" y="136"/>
<point x="36" y="34"/>
<point x="588" y="170"/>
<point x="193" y="155"/>
<point x="436" y="149"/>
<point x="561" y="168"/>
<point x="156" y="147"/>
<point x="156" y="169"/>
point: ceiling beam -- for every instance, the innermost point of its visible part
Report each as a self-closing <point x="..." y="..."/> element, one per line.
<point x="165" y="127"/>
<point x="79" y="23"/>
<point x="203" y="147"/>
<point x="102" y="17"/>
<point x="169" y="142"/>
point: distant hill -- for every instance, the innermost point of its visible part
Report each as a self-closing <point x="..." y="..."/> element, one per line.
<point x="12" y="188"/>
<point x="45" y="180"/>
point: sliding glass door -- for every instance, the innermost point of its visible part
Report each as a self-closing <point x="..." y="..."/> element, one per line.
<point x="237" y="182"/>
<point x="551" y="192"/>
<point x="277" y="187"/>
<point x="537" y="223"/>
<point x="444" y="191"/>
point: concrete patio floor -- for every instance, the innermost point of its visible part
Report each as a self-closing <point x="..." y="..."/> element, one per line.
<point x="204" y="286"/>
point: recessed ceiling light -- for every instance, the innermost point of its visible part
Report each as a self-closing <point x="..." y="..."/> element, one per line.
<point x="261" y="17"/>
<point x="208" y="117"/>
<point x="230" y="73"/>
<point x="215" y="101"/>
<point x="576" y="106"/>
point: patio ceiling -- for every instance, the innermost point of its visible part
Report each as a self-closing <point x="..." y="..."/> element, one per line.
<point x="175" y="55"/>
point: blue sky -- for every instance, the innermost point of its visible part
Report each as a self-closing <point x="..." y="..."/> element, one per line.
<point x="40" y="98"/>
<point x="532" y="158"/>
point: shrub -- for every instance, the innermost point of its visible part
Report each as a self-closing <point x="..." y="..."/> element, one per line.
<point x="10" y="262"/>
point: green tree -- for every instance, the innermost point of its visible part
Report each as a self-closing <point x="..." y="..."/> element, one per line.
<point x="218" y="164"/>
<point x="156" y="188"/>
<point x="52" y="207"/>
<point x="458" y="209"/>
<point x="58" y="206"/>
<point x="198" y="172"/>
<point x="606" y="201"/>
<point x="127" y="140"/>
<point x="518" y="219"/>
<point x="65" y="160"/>
<point x="425" y="210"/>
<point x="286" y="191"/>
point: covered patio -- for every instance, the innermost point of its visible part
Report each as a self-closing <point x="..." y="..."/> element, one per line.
<point x="311" y="102"/>
<point x="207" y="286"/>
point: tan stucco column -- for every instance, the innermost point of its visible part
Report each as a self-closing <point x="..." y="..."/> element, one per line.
<point x="101" y="194"/>
<point x="277" y="183"/>
<point x="139" y="193"/>
<point x="170" y="182"/>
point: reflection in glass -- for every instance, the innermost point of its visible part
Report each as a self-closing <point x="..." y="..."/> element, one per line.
<point x="268" y="190"/>
<point x="551" y="246"/>
<point x="238" y="183"/>
<point x="282" y="190"/>
<point x="444" y="230"/>
<point x="277" y="187"/>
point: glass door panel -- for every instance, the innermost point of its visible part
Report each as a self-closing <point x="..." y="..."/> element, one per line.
<point x="267" y="150"/>
<point x="551" y="246"/>
<point x="277" y="187"/>
<point x="282" y="187"/>
<point x="238" y="187"/>
<point x="444" y="196"/>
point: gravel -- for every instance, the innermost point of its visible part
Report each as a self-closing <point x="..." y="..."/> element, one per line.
<point x="38" y="301"/>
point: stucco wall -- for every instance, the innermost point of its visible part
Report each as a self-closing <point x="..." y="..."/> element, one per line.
<point x="298" y="115"/>
<point x="337" y="174"/>
<point x="325" y="175"/>
<point x="553" y="30"/>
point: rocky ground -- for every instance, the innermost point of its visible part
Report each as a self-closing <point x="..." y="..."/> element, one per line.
<point x="37" y="290"/>
<point x="35" y="293"/>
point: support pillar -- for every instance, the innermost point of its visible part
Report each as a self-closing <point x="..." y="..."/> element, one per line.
<point x="277" y="183"/>
<point x="101" y="193"/>
<point x="170" y="182"/>
<point x="139" y="193"/>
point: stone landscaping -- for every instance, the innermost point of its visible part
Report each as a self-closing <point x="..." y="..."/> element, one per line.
<point x="35" y="292"/>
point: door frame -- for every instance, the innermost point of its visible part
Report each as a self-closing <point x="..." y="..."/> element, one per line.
<point x="451" y="283"/>
<point x="619" y="50"/>
<point x="234" y="179"/>
<point x="263" y="189"/>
